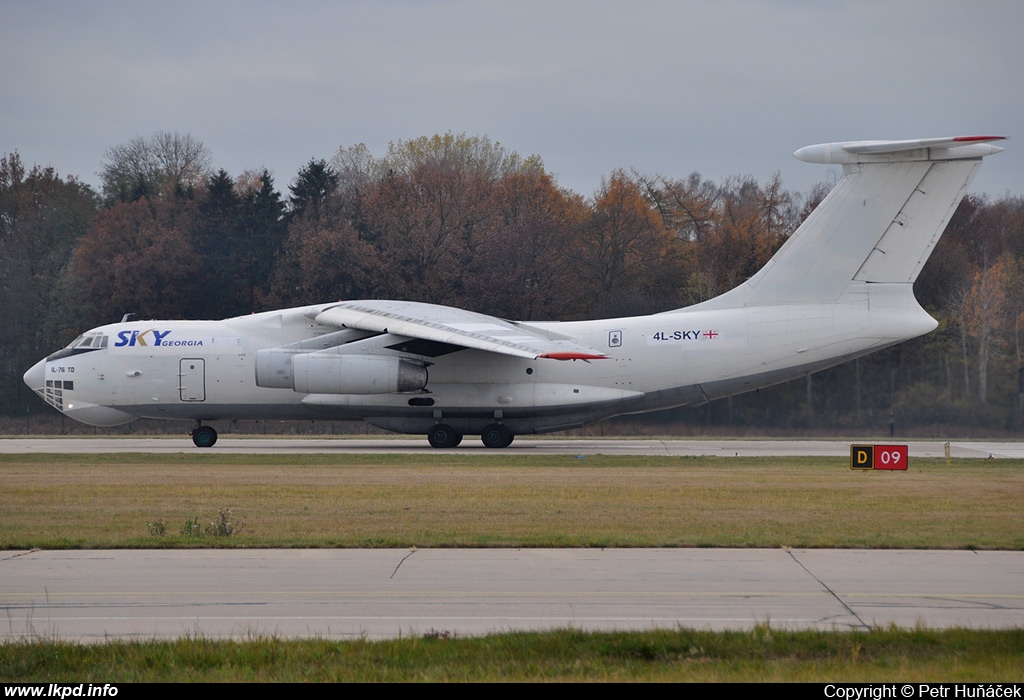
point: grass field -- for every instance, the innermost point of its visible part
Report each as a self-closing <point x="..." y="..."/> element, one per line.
<point x="762" y="654"/>
<point x="119" y="500"/>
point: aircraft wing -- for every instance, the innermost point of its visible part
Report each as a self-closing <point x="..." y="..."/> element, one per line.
<point x="444" y="324"/>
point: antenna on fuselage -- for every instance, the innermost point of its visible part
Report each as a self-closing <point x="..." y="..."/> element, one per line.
<point x="126" y="318"/>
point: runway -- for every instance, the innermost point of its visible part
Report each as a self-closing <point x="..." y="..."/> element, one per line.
<point x="92" y="596"/>
<point x="533" y="446"/>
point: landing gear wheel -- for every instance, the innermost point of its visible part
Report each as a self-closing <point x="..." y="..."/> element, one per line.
<point x="204" y="436"/>
<point x="496" y="435"/>
<point x="442" y="436"/>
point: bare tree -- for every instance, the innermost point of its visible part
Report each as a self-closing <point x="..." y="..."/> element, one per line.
<point x="476" y="155"/>
<point x="163" y="165"/>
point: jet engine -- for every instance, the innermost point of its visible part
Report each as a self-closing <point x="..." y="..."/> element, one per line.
<point x="333" y="373"/>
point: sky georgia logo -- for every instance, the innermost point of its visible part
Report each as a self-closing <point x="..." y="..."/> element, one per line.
<point x="151" y="338"/>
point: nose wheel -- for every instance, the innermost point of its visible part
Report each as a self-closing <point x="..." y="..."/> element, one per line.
<point x="204" y="436"/>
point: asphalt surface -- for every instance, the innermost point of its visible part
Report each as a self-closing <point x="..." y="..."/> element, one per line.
<point x="92" y="596"/>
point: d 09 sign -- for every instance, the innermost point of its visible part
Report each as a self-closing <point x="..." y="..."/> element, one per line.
<point x="891" y="457"/>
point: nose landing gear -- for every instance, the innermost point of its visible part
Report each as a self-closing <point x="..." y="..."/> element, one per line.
<point x="203" y="435"/>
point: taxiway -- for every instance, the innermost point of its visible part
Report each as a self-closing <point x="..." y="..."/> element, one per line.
<point x="91" y="596"/>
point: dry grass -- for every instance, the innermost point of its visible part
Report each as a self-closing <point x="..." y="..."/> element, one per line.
<point x="96" y="501"/>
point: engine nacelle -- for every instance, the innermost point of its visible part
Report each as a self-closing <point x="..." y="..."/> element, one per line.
<point x="274" y="368"/>
<point x="330" y="373"/>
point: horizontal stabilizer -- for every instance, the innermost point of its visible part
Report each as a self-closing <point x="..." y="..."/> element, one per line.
<point x="943" y="148"/>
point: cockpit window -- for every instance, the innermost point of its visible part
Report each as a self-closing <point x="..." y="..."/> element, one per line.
<point x="90" y="341"/>
<point x="86" y="342"/>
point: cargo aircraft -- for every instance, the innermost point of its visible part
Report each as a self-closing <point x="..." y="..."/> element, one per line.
<point x="839" y="288"/>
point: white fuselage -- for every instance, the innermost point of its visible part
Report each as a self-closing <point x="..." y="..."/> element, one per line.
<point x="206" y="370"/>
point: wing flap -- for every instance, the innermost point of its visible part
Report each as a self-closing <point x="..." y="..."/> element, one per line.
<point x="444" y="324"/>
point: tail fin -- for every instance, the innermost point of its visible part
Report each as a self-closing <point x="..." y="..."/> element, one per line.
<point x="878" y="225"/>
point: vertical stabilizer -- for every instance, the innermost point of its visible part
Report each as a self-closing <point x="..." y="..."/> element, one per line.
<point x="878" y="225"/>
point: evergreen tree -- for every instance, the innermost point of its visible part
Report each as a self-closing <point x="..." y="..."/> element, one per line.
<point x="312" y="186"/>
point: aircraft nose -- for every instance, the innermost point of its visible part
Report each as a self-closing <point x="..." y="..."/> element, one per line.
<point x="35" y="377"/>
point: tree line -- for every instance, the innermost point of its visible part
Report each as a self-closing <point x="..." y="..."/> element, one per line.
<point x="461" y="220"/>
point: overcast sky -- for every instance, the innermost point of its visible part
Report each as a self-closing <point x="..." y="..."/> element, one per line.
<point x="730" y="87"/>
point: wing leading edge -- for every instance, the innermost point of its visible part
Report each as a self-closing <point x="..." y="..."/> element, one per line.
<point x="445" y="324"/>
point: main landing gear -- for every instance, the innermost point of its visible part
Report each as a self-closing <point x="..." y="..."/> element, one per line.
<point x="496" y="435"/>
<point x="203" y="435"/>
<point x="445" y="436"/>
